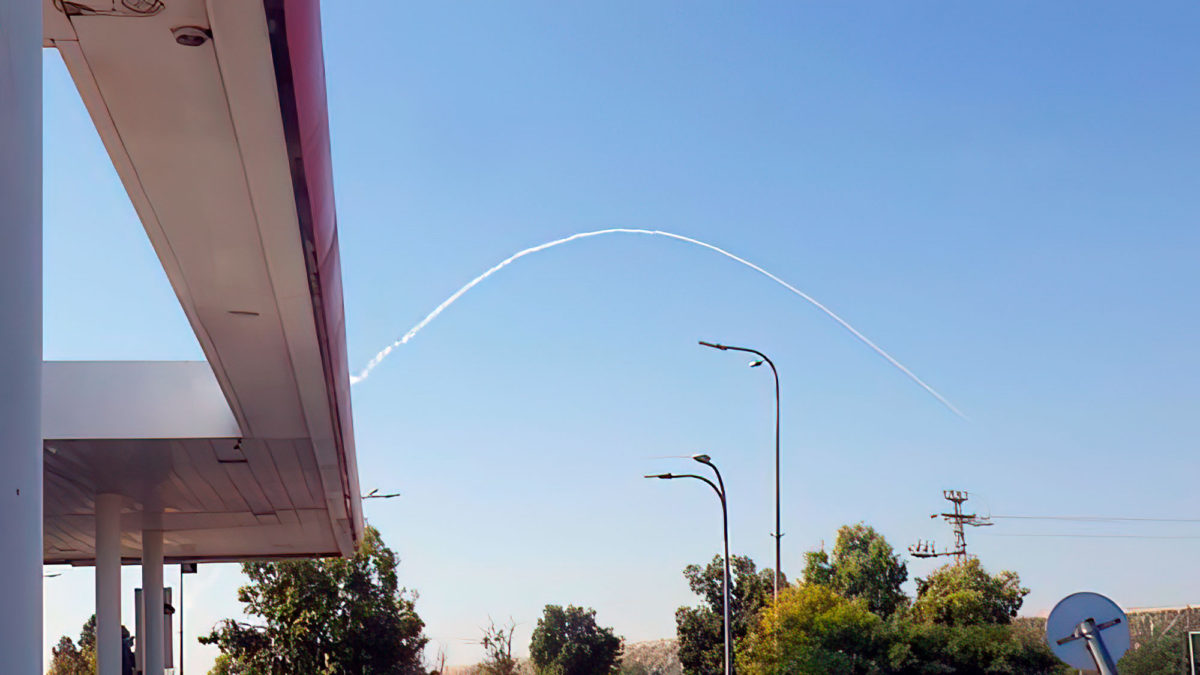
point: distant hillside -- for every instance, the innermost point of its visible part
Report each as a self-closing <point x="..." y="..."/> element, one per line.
<point x="653" y="657"/>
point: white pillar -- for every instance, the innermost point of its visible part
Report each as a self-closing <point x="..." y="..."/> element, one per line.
<point x="21" y="335"/>
<point x="108" y="584"/>
<point x="152" y="600"/>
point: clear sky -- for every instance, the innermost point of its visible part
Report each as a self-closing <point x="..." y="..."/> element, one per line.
<point x="1001" y="194"/>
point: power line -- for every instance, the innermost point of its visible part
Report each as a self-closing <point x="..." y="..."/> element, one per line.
<point x="1095" y="536"/>
<point x="1103" y="519"/>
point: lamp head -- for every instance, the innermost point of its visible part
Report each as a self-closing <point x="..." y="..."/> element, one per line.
<point x="703" y="459"/>
<point x="664" y="476"/>
<point x="714" y="345"/>
<point x="755" y="364"/>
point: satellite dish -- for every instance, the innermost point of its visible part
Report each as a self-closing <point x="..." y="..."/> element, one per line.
<point x="1083" y="618"/>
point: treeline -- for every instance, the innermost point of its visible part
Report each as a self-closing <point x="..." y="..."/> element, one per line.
<point x="847" y="614"/>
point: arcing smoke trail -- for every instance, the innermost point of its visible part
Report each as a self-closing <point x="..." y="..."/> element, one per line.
<point x="355" y="379"/>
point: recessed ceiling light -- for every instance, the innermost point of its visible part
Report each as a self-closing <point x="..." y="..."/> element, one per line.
<point x="191" y="36"/>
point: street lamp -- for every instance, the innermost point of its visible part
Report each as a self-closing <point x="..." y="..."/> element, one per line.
<point x="706" y="460"/>
<point x="754" y="364"/>
<point x="374" y="494"/>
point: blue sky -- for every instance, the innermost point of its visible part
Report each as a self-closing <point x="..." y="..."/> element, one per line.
<point x="1001" y="194"/>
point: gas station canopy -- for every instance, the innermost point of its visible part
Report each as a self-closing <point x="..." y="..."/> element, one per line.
<point x="214" y="115"/>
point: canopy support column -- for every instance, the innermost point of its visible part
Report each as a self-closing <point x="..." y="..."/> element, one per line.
<point x="21" y="334"/>
<point x="108" y="584"/>
<point x="153" y="616"/>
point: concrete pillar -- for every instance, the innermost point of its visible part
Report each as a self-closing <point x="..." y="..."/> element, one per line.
<point x="152" y="599"/>
<point x="21" y="335"/>
<point x="108" y="584"/>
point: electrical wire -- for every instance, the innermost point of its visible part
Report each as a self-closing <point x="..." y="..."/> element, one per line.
<point x="1103" y="519"/>
<point x="1090" y="536"/>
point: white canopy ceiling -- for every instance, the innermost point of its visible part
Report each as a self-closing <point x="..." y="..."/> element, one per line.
<point x="199" y="135"/>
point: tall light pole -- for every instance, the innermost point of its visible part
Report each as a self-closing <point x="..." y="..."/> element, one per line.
<point x="706" y="460"/>
<point x="754" y="364"/>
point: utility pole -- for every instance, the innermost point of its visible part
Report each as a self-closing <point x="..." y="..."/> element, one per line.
<point x="957" y="520"/>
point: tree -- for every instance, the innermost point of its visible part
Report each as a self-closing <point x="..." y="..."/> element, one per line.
<point x="926" y="649"/>
<point x="338" y="616"/>
<point x="225" y="665"/>
<point x="1163" y="654"/>
<point x="569" y="642"/>
<point x="699" y="629"/>
<point x="965" y="594"/>
<point x="497" y="646"/>
<point x="812" y="629"/>
<point x="68" y="659"/>
<point x="863" y="565"/>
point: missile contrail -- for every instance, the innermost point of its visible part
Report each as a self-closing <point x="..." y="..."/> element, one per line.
<point x="412" y="332"/>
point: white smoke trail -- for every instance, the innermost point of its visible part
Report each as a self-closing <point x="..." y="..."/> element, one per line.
<point x="355" y="379"/>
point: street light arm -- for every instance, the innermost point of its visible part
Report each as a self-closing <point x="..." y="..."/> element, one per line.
<point x="757" y="353"/>
<point x="703" y="459"/>
<point x="719" y="490"/>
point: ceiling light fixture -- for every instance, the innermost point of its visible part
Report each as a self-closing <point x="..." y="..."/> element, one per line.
<point x="191" y="36"/>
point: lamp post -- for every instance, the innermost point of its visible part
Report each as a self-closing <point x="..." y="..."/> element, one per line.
<point x="706" y="460"/>
<point x="754" y="364"/>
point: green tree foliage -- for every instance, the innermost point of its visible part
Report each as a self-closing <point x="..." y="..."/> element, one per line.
<point x="699" y="629"/>
<point x="1163" y="654"/>
<point x="863" y="565"/>
<point x="68" y="659"/>
<point x="965" y="594"/>
<point x="851" y="616"/>
<point x="325" y="617"/>
<point x="924" y="649"/>
<point x="812" y="629"/>
<point x="225" y="665"/>
<point x="570" y="642"/>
